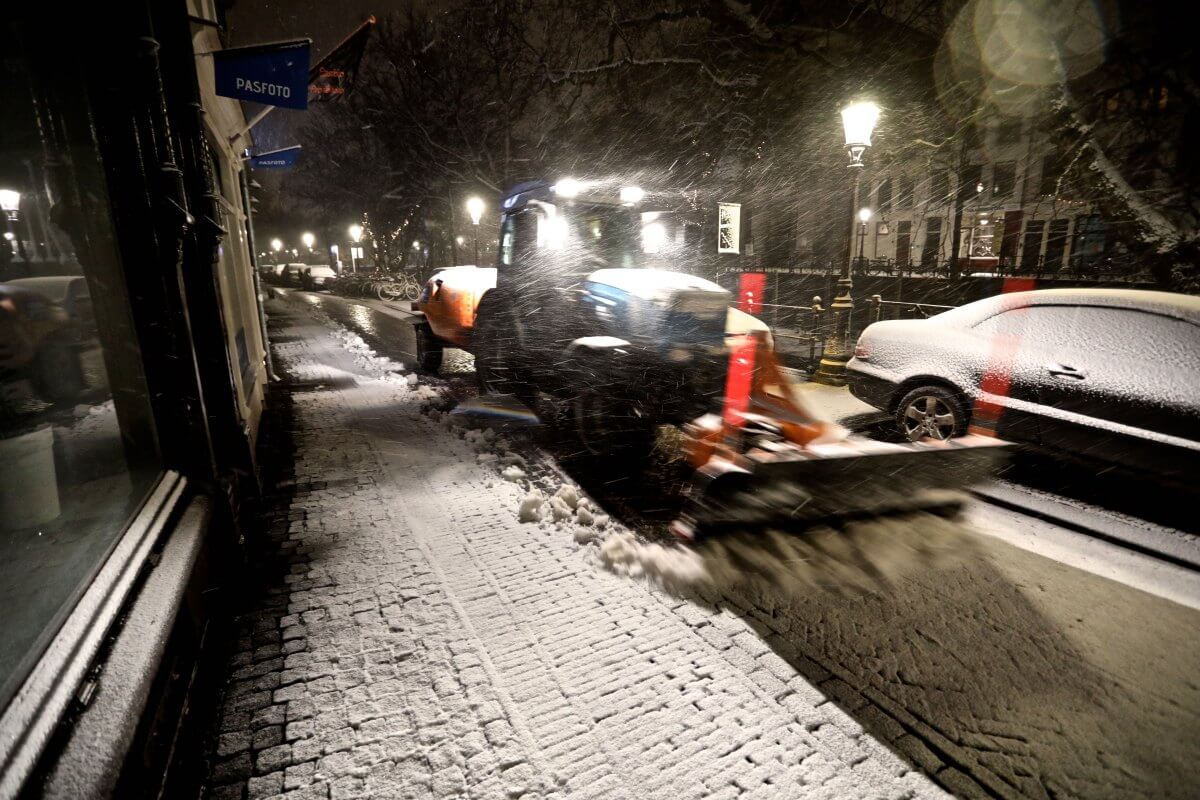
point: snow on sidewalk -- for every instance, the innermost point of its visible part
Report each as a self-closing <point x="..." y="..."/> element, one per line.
<point x="426" y="643"/>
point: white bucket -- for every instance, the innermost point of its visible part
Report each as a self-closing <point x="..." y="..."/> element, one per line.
<point x="28" y="481"/>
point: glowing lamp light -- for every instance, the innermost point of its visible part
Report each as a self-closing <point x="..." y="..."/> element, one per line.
<point x="333" y="248"/>
<point x="858" y="122"/>
<point x="10" y="201"/>
<point x="308" y="239"/>
<point x="567" y="187"/>
<point x="458" y="240"/>
<point x="654" y="236"/>
<point x="276" y="245"/>
<point x="355" y="232"/>
<point x="864" y="215"/>
<point x="9" y="236"/>
<point x="632" y="195"/>
<point x="475" y="208"/>
<point x="416" y="245"/>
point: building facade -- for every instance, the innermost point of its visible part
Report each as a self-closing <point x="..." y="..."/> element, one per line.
<point x="132" y="385"/>
<point x="1013" y="209"/>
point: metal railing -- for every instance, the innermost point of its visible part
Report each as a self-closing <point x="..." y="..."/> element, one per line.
<point x="1108" y="269"/>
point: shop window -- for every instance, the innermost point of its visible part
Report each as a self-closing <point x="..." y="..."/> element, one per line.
<point x="78" y="450"/>
<point x="939" y="186"/>
<point x="1031" y="249"/>
<point x="904" y="192"/>
<point x="933" y="243"/>
<point x="970" y="182"/>
<point x="1056" y="243"/>
<point x="883" y="195"/>
<point x="1088" y="244"/>
<point x="1004" y="178"/>
<point x="729" y="223"/>
<point x="1051" y="171"/>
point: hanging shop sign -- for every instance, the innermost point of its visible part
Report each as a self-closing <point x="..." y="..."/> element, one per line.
<point x="276" y="159"/>
<point x="272" y="74"/>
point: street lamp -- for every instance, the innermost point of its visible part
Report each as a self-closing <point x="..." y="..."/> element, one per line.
<point x="858" y="123"/>
<point x="356" y="233"/>
<point x="10" y="202"/>
<point x="308" y="239"/>
<point x="475" y="209"/>
<point x="864" y="216"/>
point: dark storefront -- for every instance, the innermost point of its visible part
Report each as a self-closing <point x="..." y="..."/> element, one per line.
<point x="125" y="441"/>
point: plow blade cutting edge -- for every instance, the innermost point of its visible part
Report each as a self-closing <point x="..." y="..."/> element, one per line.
<point x="836" y="484"/>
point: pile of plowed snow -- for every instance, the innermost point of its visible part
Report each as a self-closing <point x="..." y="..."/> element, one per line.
<point x="861" y="557"/>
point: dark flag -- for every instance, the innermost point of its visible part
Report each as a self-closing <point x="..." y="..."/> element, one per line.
<point x="334" y="75"/>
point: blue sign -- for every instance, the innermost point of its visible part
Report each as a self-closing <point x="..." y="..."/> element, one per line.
<point x="276" y="159"/>
<point x="273" y="74"/>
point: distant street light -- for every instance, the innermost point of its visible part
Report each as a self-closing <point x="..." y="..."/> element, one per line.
<point x="308" y="239"/>
<point x="10" y="202"/>
<point x="858" y="123"/>
<point x="864" y="216"/>
<point x="356" y="233"/>
<point x="475" y="208"/>
<point x="276" y="245"/>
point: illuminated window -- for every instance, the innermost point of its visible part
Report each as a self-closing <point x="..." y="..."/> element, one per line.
<point x="729" y="224"/>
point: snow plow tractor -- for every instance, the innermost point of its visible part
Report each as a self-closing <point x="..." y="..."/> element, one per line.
<point x="571" y="311"/>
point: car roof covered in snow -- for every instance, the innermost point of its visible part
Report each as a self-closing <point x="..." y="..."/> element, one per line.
<point x="1181" y="306"/>
<point x="652" y="284"/>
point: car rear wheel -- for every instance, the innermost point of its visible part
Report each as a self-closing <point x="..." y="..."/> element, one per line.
<point x="429" y="349"/>
<point x="931" y="412"/>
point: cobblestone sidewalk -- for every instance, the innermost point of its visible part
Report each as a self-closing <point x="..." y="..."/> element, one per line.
<point x="415" y="640"/>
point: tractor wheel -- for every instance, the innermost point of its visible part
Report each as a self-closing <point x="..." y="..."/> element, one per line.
<point x="612" y="427"/>
<point x="429" y="349"/>
<point x="493" y="339"/>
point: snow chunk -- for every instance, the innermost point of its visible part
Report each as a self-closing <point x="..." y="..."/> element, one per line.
<point x="559" y="509"/>
<point x="513" y="473"/>
<point x="584" y="516"/>
<point x="413" y="380"/>
<point x="531" y="507"/>
<point x="568" y="494"/>
<point x="586" y="535"/>
<point x="486" y="458"/>
<point x="514" y="460"/>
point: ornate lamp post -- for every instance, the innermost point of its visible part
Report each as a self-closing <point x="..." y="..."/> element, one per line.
<point x="475" y="209"/>
<point x="858" y="122"/>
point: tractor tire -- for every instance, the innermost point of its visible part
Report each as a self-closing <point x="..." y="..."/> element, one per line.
<point x="611" y="428"/>
<point x="57" y="372"/>
<point x="493" y="337"/>
<point x="429" y="349"/>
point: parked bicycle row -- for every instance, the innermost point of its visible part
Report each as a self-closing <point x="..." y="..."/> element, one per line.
<point x="381" y="285"/>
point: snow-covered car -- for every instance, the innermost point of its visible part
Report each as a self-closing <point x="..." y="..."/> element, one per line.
<point x="1108" y="374"/>
<point x="318" y="277"/>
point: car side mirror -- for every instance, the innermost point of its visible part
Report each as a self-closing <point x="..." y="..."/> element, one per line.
<point x="438" y="290"/>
